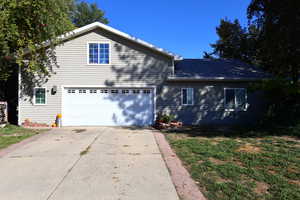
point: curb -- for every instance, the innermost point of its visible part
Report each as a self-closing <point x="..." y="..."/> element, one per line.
<point x="184" y="184"/>
<point x="15" y="146"/>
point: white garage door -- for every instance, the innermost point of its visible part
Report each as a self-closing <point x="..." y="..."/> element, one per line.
<point x="107" y="107"/>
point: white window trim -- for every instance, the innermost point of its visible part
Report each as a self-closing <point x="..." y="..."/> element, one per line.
<point x="38" y="104"/>
<point x="187" y="104"/>
<point x="235" y="100"/>
<point x="88" y="51"/>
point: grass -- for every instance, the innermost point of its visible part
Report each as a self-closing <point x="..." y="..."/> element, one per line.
<point x="82" y="153"/>
<point x="13" y="134"/>
<point x="237" y="168"/>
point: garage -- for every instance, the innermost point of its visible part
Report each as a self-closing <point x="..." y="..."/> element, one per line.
<point x="107" y="106"/>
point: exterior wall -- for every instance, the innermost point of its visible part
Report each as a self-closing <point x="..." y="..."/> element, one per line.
<point x="131" y="65"/>
<point x="208" y="108"/>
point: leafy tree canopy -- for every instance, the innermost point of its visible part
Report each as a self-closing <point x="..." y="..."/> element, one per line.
<point x="85" y="13"/>
<point x="24" y="26"/>
<point x="235" y="42"/>
<point x="278" y="23"/>
<point x="271" y="39"/>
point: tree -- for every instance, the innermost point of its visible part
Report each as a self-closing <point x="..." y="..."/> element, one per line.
<point x="278" y="23"/>
<point x="207" y="55"/>
<point x="27" y="26"/>
<point x="85" y="13"/>
<point x="235" y="42"/>
<point x="278" y="51"/>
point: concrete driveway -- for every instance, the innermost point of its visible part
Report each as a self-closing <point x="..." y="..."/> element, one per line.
<point x="102" y="163"/>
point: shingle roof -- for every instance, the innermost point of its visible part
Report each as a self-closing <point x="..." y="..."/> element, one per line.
<point x="218" y="69"/>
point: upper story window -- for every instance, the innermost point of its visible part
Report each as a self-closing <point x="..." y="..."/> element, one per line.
<point x="187" y="95"/>
<point x="99" y="53"/>
<point x="40" y="96"/>
<point x="235" y="99"/>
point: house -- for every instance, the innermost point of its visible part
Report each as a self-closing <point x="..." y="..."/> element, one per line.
<point x="109" y="78"/>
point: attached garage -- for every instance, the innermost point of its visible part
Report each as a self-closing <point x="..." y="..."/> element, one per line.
<point x="107" y="106"/>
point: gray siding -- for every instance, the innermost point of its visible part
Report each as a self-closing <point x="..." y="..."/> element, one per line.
<point x="131" y="64"/>
<point x="208" y="108"/>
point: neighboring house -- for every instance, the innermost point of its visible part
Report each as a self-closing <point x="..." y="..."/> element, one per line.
<point x="109" y="78"/>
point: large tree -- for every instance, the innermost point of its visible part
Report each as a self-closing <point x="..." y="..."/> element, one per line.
<point x="85" y="13"/>
<point x="235" y="42"/>
<point x="278" y="23"/>
<point x="26" y="26"/>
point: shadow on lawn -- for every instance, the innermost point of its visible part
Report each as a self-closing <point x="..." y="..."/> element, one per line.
<point x="235" y="131"/>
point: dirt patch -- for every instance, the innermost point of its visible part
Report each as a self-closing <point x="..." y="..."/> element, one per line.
<point x="292" y="170"/>
<point x="249" y="148"/>
<point x="272" y="172"/>
<point x="214" y="142"/>
<point x="12" y="135"/>
<point x="295" y="182"/>
<point x="289" y="138"/>
<point x="239" y="163"/>
<point x="261" y="188"/>
<point x="217" y="161"/>
<point x="222" y="180"/>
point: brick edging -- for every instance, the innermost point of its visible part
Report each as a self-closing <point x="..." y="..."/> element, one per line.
<point x="184" y="184"/>
<point x="15" y="146"/>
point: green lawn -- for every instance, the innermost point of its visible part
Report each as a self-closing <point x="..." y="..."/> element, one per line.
<point x="237" y="168"/>
<point x="13" y="134"/>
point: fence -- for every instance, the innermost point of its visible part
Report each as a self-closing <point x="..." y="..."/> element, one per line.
<point x="3" y="112"/>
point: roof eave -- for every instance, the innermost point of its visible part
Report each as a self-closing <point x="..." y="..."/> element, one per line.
<point x="95" y="25"/>
<point x="92" y="26"/>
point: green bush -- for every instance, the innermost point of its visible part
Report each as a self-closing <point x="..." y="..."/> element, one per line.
<point x="284" y="102"/>
<point x="165" y="118"/>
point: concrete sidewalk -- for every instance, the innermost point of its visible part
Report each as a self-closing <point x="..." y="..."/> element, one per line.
<point x="102" y="163"/>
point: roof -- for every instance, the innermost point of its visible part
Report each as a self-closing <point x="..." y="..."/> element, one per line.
<point x="96" y="25"/>
<point x="216" y="69"/>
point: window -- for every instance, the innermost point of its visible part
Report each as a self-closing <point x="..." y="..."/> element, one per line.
<point x="71" y="91"/>
<point x="93" y="91"/>
<point x="135" y="91"/>
<point x="99" y="53"/>
<point x="235" y="99"/>
<point x="103" y="91"/>
<point x="187" y="96"/>
<point x="40" y="96"/>
<point x="82" y="91"/>
<point x="146" y="91"/>
<point x="114" y="91"/>
<point x="125" y="91"/>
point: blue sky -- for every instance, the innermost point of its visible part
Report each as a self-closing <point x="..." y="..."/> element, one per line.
<point x="184" y="27"/>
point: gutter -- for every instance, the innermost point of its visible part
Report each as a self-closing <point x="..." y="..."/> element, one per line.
<point x="214" y="79"/>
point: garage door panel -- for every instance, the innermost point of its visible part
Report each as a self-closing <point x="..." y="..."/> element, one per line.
<point x="107" y="109"/>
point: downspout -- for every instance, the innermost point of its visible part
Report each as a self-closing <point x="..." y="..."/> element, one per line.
<point x="19" y="94"/>
<point x="173" y="67"/>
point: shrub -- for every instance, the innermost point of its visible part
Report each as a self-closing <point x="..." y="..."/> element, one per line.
<point x="284" y="102"/>
<point x="165" y="118"/>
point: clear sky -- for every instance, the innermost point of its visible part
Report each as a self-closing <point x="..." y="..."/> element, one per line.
<point x="184" y="27"/>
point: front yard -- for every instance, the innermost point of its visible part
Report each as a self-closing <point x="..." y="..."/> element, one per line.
<point x="13" y="134"/>
<point x="237" y="168"/>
